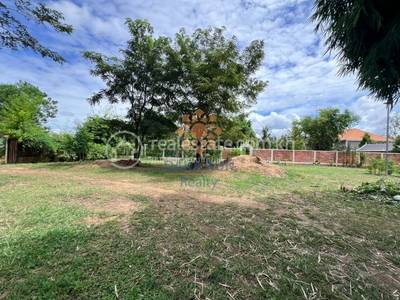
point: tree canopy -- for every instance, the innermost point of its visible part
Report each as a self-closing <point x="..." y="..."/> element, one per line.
<point x="366" y="35"/>
<point x="24" y="110"/>
<point x="212" y="73"/>
<point x="322" y="132"/>
<point x="15" y="16"/>
<point x="161" y="79"/>
<point x="138" y="78"/>
<point x="236" y="129"/>
<point x="366" y="139"/>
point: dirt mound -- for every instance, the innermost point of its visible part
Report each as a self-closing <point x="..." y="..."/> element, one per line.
<point x="250" y="163"/>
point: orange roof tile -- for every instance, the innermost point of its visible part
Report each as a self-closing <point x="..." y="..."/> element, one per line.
<point x="354" y="134"/>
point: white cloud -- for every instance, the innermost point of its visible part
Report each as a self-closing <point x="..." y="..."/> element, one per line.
<point x="277" y="123"/>
<point x="372" y="114"/>
<point x="301" y="78"/>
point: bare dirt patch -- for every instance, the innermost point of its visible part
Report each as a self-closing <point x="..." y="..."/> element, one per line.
<point x="115" y="209"/>
<point x="95" y="220"/>
<point x="153" y="190"/>
<point x="250" y="163"/>
<point x="114" y="206"/>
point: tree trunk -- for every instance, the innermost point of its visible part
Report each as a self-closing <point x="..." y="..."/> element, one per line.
<point x="12" y="149"/>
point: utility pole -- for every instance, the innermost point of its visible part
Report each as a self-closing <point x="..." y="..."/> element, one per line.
<point x="389" y="104"/>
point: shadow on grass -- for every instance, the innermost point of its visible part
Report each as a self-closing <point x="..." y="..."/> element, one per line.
<point x="187" y="249"/>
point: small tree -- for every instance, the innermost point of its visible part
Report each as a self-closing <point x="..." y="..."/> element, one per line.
<point x="365" y="140"/>
<point x="266" y="137"/>
<point x="396" y="145"/>
<point x="237" y="129"/>
<point x="23" y="114"/>
<point x="322" y="132"/>
<point x="394" y="126"/>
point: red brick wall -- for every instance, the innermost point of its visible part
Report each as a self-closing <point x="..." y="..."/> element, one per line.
<point x="264" y="154"/>
<point x="323" y="157"/>
<point x="326" y="157"/>
<point x="305" y="156"/>
<point x="283" y="155"/>
<point x="394" y="156"/>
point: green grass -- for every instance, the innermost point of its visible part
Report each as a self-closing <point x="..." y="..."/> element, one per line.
<point x="306" y="240"/>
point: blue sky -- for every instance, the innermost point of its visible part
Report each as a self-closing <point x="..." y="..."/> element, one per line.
<point x="302" y="78"/>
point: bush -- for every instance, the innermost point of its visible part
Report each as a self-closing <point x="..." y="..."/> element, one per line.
<point x="235" y="152"/>
<point x="381" y="190"/>
<point x="377" y="166"/>
<point x="64" y="147"/>
<point x="96" y="151"/>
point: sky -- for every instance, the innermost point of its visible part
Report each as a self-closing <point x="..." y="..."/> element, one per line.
<point x="302" y="77"/>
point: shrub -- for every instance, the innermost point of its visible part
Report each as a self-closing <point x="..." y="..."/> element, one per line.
<point x="96" y="151"/>
<point x="383" y="190"/>
<point x="377" y="166"/>
<point x="235" y="152"/>
<point x="213" y="156"/>
<point x="64" y="147"/>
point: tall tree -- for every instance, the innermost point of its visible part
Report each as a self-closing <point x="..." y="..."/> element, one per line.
<point x="267" y="140"/>
<point x="15" y="17"/>
<point x="322" y="132"/>
<point x="366" y="35"/>
<point x="158" y="77"/>
<point x="212" y="73"/>
<point x="138" y="78"/>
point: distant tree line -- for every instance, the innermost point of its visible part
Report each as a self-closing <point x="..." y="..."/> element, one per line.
<point x="320" y="132"/>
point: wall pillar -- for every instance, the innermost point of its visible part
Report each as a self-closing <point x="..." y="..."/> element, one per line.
<point x="293" y="155"/>
<point x="6" y="153"/>
<point x="337" y="158"/>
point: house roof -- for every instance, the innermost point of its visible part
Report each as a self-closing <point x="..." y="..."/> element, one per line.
<point x="380" y="147"/>
<point x="356" y="135"/>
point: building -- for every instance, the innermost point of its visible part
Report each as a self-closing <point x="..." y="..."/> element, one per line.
<point x="351" y="138"/>
<point x="380" y="147"/>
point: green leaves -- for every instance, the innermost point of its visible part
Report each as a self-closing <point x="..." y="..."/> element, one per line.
<point x="216" y="76"/>
<point x="160" y="77"/>
<point x="322" y="132"/>
<point x="14" y="20"/>
<point x="366" y="34"/>
<point x="23" y="111"/>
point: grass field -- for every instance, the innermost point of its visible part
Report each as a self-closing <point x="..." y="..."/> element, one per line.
<point x="80" y="231"/>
